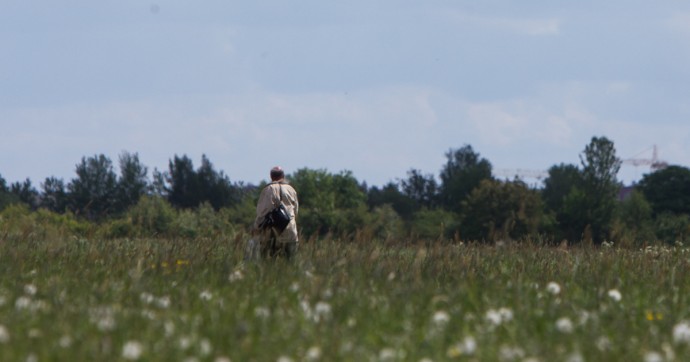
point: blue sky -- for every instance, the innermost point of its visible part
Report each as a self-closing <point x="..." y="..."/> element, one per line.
<point x="374" y="87"/>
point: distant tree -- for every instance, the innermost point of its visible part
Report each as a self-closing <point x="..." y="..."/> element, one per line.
<point x="189" y="188"/>
<point x="668" y="190"/>
<point x="328" y="202"/>
<point x="6" y="197"/>
<point x="54" y="196"/>
<point x="634" y="223"/>
<point x="182" y="184"/>
<point x="463" y="171"/>
<point x="93" y="193"/>
<point x="600" y="167"/>
<point x="501" y="210"/>
<point x="421" y="188"/>
<point x="561" y="179"/>
<point x="26" y="193"/>
<point x="132" y="183"/>
<point x="391" y="195"/>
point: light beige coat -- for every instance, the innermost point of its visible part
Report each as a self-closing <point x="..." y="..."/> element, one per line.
<point x="270" y="198"/>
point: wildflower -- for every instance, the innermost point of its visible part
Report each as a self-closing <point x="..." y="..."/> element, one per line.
<point x="163" y="302"/>
<point x="441" y="318"/>
<point x="132" y="350"/>
<point x="575" y="357"/>
<point x="553" y="288"/>
<point x="30" y="289"/>
<point x="387" y="354"/>
<point x="284" y="359"/>
<point x="313" y="353"/>
<point x="22" y="303"/>
<point x="4" y="334"/>
<point x="681" y="333"/>
<point x="615" y="295"/>
<point x="65" y="341"/>
<point x="222" y="359"/>
<point x="205" y="295"/>
<point x="322" y="310"/>
<point x="497" y="317"/>
<point x="653" y="357"/>
<point x="182" y="262"/>
<point x="146" y="298"/>
<point x="650" y="315"/>
<point x="184" y="343"/>
<point x="564" y="325"/>
<point x="262" y="312"/>
<point x="205" y="348"/>
<point x="236" y="275"/>
<point x="603" y="343"/>
<point x="467" y="347"/>
<point x="508" y="353"/>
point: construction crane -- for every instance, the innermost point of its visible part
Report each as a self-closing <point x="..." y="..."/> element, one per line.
<point x="654" y="163"/>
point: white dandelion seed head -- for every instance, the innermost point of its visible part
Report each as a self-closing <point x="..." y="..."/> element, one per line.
<point x="22" y="303"/>
<point x="603" y="343"/>
<point x="236" y="275"/>
<point x="205" y="347"/>
<point x="222" y="359"/>
<point x="553" y="288"/>
<point x="163" y="302"/>
<point x="184" y="343"/>
<point x="284" y="359"/>
<point x="441" y="317"/>
<point x="206" y="295"/>
<point x="564" y="325"/>
<point x="313" y="353"/>
<point x="653" y="356"/>
<point x="262" y="312"/>
<point x="615" y="295"/>
<point x="132" y="350"/>
<point x="388" y="354"/>
<point x="146" y="298"/>
<point x="681" y="333"/>
<point x="4" y="334"/>
<point x="30" y="289"/>
<point x="575" y="357"/>
<point x="65" y="341"/>
<point x="508" y="353"/>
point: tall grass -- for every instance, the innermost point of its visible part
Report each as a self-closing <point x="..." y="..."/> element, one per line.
<point x="341" y="300"/>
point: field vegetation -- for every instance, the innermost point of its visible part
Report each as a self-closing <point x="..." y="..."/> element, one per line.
<point x="465" y="266"/>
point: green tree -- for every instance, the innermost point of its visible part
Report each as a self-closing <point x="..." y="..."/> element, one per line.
<point x="501" y="210"/>
<point x="390" y="194"/>
<point x="634" y="222"/>
<point x="25" y="193"/>
<point x="599" y="171"/>
<point x="421" y="188"/>
<point x="563" y="200"/>
<point x="329" y="203"/>
<point x="561" y="179"/>
<point x="93" y="193"/>
<point x="6" y="197"/>
<point x="464" y="170"/>
<point x="132" y="183"/>
<point x="668" y="190"/>
<point x="54" y="196"/>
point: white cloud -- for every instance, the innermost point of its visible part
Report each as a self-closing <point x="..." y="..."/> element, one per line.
<point x="534" y="27"/>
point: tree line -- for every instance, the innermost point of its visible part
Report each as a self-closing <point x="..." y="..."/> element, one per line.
<point x="577" y="203"/>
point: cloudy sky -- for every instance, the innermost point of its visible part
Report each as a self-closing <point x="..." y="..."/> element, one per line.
<point x="374" y="87"/>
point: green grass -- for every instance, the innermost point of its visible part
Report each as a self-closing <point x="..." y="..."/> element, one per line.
<point x="68" y="300"/>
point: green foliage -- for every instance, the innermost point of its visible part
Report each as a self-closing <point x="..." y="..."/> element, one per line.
<point x="600" y="186"/>
<point x="464" y="170"/>
<point x="329" y="203"/>
<point x="132" y="183"/>
<point x="433" y="224"/>
<point x="76" y="300"/>
<point x="18" y="222"/>
<point x="634" y="222"/>
<point x="54" y="196"/>
<point x="668" y="190"/>
<point x="672" y="228"/>
<point x="391" y="195"/>
<point x="187" y="188"/>
<point x="93" y="194"/>
<point x="152" y="216"/>
<point x="498" y="210"/>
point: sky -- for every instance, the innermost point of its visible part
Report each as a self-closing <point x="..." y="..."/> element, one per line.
<point x="373" y="87"/>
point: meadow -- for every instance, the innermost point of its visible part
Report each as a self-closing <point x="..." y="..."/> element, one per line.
<point x="74" y="299"/>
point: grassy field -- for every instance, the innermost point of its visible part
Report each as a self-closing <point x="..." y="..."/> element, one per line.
<point x="183" y="300"/>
